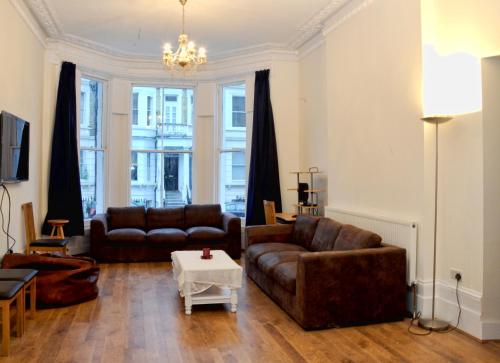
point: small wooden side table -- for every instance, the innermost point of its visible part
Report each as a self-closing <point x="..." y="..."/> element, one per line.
<point x="57" y="231"/>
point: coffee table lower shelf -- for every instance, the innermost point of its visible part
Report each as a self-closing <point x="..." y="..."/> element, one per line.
<point x="213" y="295"/>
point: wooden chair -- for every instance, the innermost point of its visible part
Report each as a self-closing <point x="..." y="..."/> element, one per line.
<point x="269" y="212"/>
<point x="44" y="244"/>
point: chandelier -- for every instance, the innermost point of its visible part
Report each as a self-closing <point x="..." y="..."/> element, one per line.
<point x="186" y="57"/>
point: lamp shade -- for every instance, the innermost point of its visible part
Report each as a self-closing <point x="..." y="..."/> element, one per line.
<point x="451" y="83"/>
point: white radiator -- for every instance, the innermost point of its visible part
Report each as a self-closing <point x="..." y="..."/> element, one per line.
<point x="395" y="232"/>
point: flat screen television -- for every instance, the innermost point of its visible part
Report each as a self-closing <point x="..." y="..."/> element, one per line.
<point x="14" y="148"/>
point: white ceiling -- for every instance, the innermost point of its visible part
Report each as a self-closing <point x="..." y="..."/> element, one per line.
<point x="140" y="27"/>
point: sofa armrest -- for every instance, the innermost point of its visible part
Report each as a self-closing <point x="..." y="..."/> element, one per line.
<point x="268" y="233"/>
<point x="98" y="227"/>
<point x="231" y="223"/>
<point x="232" y="226"/>
<point x="352" y="287"/>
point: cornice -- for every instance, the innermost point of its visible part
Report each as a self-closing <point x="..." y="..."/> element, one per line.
<point x="314" y="25"/>
<point x="347" y="12"/>
<point x="45" y="17"/>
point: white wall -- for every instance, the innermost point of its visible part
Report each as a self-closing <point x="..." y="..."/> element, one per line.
<point x="313" y="135"/>
<point x="374" y="133"/>
<point x="491" y="148"/>
<point x="284" y="84"/>
<point x="21" y="93"/>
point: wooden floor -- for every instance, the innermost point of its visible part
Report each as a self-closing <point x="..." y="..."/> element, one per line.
<point x="139" y="317"/>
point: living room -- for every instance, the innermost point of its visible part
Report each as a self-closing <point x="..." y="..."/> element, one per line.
<point x="349" y="80"/>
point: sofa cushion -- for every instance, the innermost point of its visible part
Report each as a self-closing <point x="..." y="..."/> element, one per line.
<point x="326" y="233"/>
<point x="157" y="218"/>
<point x="203" y="215"/>
<point x="303" y="230"/>
<point x="253" y="252"/>
<point x="351" y="238"/>
<point x="130" y="235"/>
<point x="269" y="261"/>
<point x="285" y="275"/>
<point x="166" y="235"/>
<point x="128" y="217"/>
<point x="204" y="233"/>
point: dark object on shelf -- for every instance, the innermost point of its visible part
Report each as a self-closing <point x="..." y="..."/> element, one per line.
<point x="350" y="279"/>
<point x="61" y="280"/>
<point x="303" y="195"/>
<point x="134" y="234"/>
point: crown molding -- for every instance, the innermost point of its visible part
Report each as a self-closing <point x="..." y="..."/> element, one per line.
<point x="141" y="70"/>
<point x="314" y="25"/>
<point x="351" y="9"/>
<point x="311" y="45"/>
<point x="45" y="16"/>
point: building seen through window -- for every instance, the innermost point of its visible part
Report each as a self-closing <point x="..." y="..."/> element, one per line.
<point x="91" y="147"/>
<point x="232" y="163"/>
<point x="162" y="144"/>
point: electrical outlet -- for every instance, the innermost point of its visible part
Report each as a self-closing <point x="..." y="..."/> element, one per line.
<point x="454" y="272"/>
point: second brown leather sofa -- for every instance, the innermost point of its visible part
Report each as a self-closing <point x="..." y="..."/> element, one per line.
<point x="133" y="234"/>
<point x="326" y="274"/>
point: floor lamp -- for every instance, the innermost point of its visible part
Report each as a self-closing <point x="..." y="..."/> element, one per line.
<point x="433" y="323"/>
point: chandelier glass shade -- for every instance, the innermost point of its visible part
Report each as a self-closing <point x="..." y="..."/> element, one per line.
<point x="186" y="56"/>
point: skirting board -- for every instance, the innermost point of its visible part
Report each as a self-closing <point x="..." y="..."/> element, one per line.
<point x="447" y="309"/>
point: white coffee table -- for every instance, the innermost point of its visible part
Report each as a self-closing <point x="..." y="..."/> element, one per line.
<point x="213" y="281"/>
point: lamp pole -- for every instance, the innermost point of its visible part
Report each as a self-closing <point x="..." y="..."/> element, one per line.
<point x="433" y="323"/>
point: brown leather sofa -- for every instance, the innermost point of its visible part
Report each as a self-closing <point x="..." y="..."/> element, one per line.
<point x="325" y="274"/>
<point x="133" y="234"/>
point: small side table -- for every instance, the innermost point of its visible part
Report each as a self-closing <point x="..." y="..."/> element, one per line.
<point x="57" y="231"/>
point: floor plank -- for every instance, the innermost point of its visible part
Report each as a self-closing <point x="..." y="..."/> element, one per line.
<point x="139" y="317"/>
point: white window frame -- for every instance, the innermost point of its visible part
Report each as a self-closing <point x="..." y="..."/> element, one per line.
<point x="220" y="149"/>
<point x="105" y="114"/>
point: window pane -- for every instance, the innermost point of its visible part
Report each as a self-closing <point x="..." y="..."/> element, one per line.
<point x="135" y="108"/>
<point x="91" y="113"/>
<point x="92" y="182"/>
<point x="164" y="119"/>
<point x="91" y="136"/>
<point x="234" y="116"/>
<point x="162" y="179"/>
<point x="238" y="166"/>
<point x="232" y="183"/>
<point x="232" y="173"/>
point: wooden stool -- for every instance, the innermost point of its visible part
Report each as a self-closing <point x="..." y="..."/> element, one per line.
<point x="57" y="228"/>
<point x="10" y="291"/>
<point x="28" y="278"/>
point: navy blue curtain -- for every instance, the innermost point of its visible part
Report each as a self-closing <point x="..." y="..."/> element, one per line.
<point x="65" y="195"/>
<point x="264" y="178"/>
